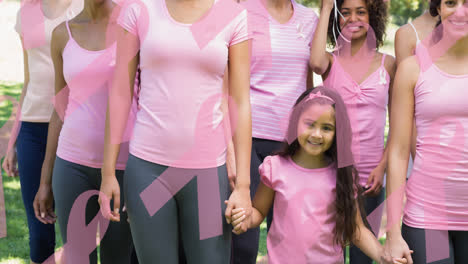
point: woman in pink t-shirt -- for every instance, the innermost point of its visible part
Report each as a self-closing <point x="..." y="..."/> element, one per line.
<point x="363" y="77"/>
<point x="430" y="90"/>
<point x="183" y="49"/>
<point x="312" y="186"/>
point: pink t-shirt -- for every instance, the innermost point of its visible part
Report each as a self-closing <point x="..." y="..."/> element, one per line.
<point x="437" y="191"/>
<point x="274" y="89"/>
<point x="304" y="212"/>
<point x="367" y="109"/>
<point x="37" y="104"/>
<point x="179" y="123"/>
<point x="88" y="75"/>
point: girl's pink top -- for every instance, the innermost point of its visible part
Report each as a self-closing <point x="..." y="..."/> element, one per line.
<point x="275" y="87"/>
<point x="437" y="191"/>
<point x="367" y="109"/>
<point x="81" y="139"/>
<point x="304" y="212"/>
<point x="180" y="122"/>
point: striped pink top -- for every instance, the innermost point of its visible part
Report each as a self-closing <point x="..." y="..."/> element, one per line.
<point x="275" y="88"/>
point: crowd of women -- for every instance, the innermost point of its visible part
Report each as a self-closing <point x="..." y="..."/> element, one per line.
<point x="139" y="100"/>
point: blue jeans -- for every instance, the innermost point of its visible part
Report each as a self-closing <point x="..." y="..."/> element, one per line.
<point x="31" y="147"/>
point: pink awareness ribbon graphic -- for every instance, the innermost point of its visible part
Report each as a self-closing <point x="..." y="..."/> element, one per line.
<point x="81" y="237"/>
<point x="173" y="179"/>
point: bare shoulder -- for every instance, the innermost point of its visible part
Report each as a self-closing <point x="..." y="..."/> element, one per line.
<point x="405" y="34"/>
<point x="408" y="70"/>
<point x="59" y="36"/>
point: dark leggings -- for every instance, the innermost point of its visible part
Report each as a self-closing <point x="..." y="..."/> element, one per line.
<point x="245" y="246"/>
<point x="69" y="181"/>
<point x="356" y="256"/>
<point x="416" y="240"/>
<point x="156" y="237"/>
<point x="31" y="147"/>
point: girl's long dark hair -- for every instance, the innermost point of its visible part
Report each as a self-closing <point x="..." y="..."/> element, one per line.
<point x="347" y="179"/>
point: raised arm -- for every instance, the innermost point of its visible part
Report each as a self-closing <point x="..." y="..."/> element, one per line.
<point x="43" y="202"/>
<point x="320" y="59"/>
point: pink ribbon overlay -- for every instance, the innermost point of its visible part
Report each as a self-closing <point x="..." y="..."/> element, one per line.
<point x="157" y="194"/>
<point x="81" y="237"/>
<point x="32" y="24"/>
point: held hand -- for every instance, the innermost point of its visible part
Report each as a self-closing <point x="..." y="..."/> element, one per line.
<point x="239" y="222"/>
<point x="375" y="181"/>
<point x="386" y="258"/>
<point x="10" y="163"/>
<point x="399" y="250"/>
<point x="44" y="205"/>
<point x="240" y="198"/>
<point x="110" y="190"/>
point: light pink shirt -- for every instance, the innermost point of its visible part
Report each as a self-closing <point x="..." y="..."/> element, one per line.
<point x="274" y="90"/>
<point x="367" y="109"/>
<point x="304" y="213"/>
<point x="437" y="191"/>
<point x="81" y="139"/>
<point x="177" y="125"/>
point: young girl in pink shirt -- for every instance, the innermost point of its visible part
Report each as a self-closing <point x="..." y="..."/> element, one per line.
<point x="363" y="77"/>
<point x="313" y="187"/>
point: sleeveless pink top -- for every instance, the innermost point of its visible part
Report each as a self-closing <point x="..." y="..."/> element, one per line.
<point x="88" y="75"/>
<point x="437" y="191"/>
<point x="367" y="108"/>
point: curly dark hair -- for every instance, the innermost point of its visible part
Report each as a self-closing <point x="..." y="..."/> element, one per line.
<point x="347" y="178"/>
<point x="378" y="18"/>
<point x="433" y="6"/>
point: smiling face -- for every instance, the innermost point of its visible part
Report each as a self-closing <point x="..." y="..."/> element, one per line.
<point x="356" y="19"/>
<point x="454" y="16"/>
<point x="316" y="129"/>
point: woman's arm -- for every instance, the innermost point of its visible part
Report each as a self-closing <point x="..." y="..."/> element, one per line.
<point x="262" y="203"/>
<point x="239" y="88"/>
<point x="405" y="43"/>
<point x="320" y="59"/>
<point x="401" y="123"/>
<point x="10" y="161"/>
<point x="43" y="202"/>
<point x="376" y="176"/>
<point x="368" y="243"/>
<point x="118" y="109"/>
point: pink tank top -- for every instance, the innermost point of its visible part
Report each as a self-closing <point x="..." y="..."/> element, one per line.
<point x="437" y="191"/>
<point x="367" y="108"/>
<point x="81" y="139"/>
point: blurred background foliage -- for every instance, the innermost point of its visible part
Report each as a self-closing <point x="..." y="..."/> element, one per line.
<point x="401" y="11"/>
